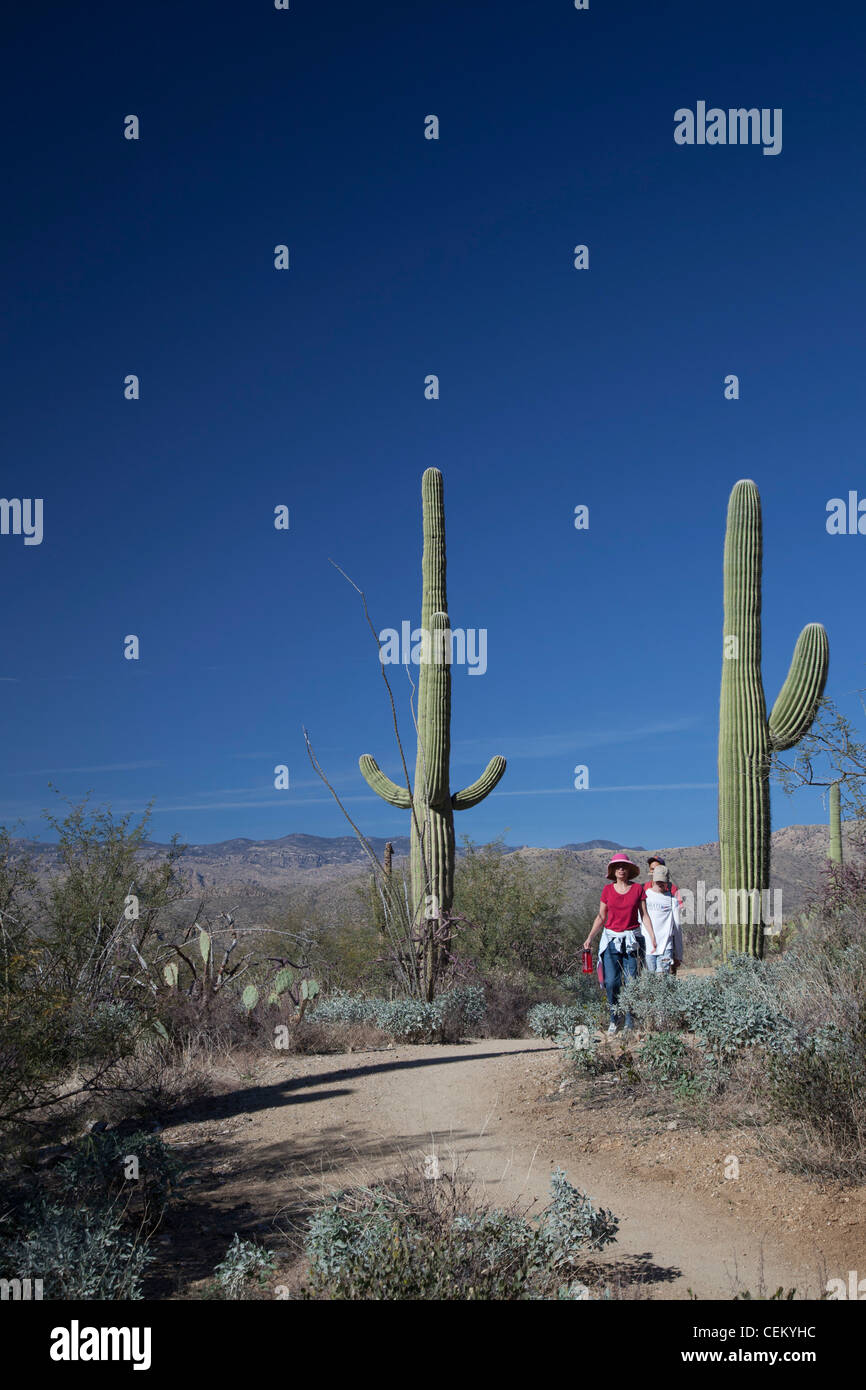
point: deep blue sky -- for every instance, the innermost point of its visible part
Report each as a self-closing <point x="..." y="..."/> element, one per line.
<point x="305" y="387"/>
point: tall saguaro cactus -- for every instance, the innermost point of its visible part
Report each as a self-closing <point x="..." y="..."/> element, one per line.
<point x="746" y="736"/>
<point x="432" y="802"/>
<point x="835" y="823"/>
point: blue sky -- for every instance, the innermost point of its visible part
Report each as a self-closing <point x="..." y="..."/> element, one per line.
<point x="305" y="388"/>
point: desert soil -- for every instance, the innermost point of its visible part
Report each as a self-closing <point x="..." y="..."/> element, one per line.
<point x="263" y="1150"/>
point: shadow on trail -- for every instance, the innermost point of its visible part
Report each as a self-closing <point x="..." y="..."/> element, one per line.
<point x="289" y="1091"/>
<point x="266" y="1195"/>
<point x="641" y="1269"/>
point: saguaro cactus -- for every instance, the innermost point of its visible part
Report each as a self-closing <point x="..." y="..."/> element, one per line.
<point x="835" y="823"/>
<point x="746" y="736"/>
<point x="432" y="802"/>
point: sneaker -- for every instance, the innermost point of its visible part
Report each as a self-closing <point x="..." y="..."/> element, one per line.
<point x="611" y="1027"/>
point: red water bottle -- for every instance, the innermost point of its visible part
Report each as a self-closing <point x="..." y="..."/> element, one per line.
<point x="587" y="961"/>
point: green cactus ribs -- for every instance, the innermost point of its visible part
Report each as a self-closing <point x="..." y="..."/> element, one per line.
<point x="746" y="735"/>
<point x="835" y="823"/>
<point x="431" y="801"/>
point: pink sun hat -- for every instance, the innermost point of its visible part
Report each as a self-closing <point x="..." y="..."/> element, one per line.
<point x="622" y="860"/>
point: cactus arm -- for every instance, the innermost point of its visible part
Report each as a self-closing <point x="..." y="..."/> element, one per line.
<point x="797" y="703"/>
<point x="470" y="796"/>
<point x="382" y="785"/>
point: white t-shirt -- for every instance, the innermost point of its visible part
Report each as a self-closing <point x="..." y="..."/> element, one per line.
<point x="664" y="913"/>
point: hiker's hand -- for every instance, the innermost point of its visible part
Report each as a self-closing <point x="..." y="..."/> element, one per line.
<point x="587" y="943"/>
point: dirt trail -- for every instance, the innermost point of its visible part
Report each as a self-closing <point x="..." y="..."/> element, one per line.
<point x="313" y="1123"/>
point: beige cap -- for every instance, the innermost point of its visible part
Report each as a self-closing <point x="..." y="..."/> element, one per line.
<point x="661" y="874"/>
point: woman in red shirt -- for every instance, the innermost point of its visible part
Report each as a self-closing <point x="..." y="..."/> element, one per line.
<point x="622" y="908"/>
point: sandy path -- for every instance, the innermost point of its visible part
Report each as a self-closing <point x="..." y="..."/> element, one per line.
<point x="319" y="1122"/>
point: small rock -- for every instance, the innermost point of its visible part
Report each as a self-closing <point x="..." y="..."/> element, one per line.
<point x="564" y="1085"/>
<point x="672" y="1124"/>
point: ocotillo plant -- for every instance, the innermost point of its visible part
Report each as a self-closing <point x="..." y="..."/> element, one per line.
<point x="835" y="823"/>
<point x="431" y="802"/>
<point x="746" y="736"/>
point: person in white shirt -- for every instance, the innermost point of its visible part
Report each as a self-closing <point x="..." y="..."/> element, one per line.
<point x="664" y="912"/>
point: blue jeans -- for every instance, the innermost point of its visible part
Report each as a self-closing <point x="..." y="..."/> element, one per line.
<point x="617" y="966"/>
<point x="661" y="965"/>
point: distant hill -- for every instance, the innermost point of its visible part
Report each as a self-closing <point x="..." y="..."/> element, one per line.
<point x="603" y="844"/>
<point x="257" y="879"/>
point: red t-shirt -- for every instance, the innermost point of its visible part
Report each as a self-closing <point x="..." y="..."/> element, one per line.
<point x="623" y="909"/>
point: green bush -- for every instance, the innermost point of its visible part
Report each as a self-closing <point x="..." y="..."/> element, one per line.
<point x="668" y="1061"/>
<point x="84" y="1229"/>
<point x="448" y="1017"/>
<point x="512" y="907"/>
<point x="78" y="1252"/>
<point x="434" y="1243"/>
<point x="245" y="1264"/>
<point x="553" y="1020"/>
<point x="95" y="1174"/>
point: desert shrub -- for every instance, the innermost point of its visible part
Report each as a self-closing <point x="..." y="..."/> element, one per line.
<point x="551" y="1020"/>
<point x="83" y="933"/>
<point x="70" y="989"/>
<point x="727" y="1011"/>
<point x="342" y="955"/>
<point x="583" y="989"/>
<point x="508" y="996"/>
<point x="702" y="944"/>
<point x="83" y="1225"/>
<point x="244" y="1265"/>
<point x="800" y="1014"/>
<point x="95" y="1174"/>
<point x="155" y="1079"/>
<point x="310" y="1038"/>
<point x="435" y="1241"/>
<point x="570" y="1224"/>
<point x="341" y="1007"/>
<point x="580" y="1049"/>
<point x="818" y="1093"/>
<point x="655" y="1001"/>
<point x="109" y="1029"/>
<point x="731" y="1010"/>
<point x="512" y="909"/>
<point x="79" y="1252"/>
<point x="663" y="1056"/>
<point x="818" y="1088"/>
<point x="448" y="1017"/>
<point x="668" y="1061"/>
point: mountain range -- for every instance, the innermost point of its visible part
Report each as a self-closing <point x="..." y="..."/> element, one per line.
<point x="258" y="879"/>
